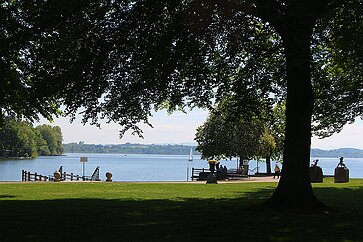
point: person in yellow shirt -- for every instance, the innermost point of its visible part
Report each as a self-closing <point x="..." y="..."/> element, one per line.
<point x="277" y="171"/>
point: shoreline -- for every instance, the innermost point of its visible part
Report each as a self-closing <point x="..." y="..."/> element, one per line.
<point x="249" y="179"/>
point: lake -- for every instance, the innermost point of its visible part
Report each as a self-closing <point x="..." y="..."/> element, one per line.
<point x="141" y="167"/>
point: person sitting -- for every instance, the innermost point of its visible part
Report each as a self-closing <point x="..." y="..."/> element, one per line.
<point x="240" y="170"/>
<point x="225" y="169"/>
<point x="220" y="168"/>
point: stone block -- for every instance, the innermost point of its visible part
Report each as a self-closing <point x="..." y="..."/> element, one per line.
<point x="316" y="174"/>
<point x="341" y="175"/>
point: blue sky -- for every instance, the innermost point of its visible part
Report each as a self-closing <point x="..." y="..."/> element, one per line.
<point x="180" y="128"/>
<point x="350" y="137"/>
<point x="176" y="128"/>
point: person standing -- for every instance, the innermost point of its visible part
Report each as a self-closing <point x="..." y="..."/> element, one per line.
<point x="277" y="171"/>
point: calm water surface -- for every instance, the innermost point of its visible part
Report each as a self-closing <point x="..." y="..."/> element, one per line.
<point x="141" y="167"/>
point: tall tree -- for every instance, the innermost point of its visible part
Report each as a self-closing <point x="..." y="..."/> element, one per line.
<point x="53" y="138"/>
<point x="58" y="140"/>
<point x="18" y="139"/>
<point x="21" y="139"/>
<point x="231" y="133"/>
<point x="120" y="60"/>
<point x="267" y="148"/>
<point x="9" y="140"/>
<point x="43" y="149"/>
<point x="224" y="135"/>
<point x="27" y="140"/>
<point x="295" y="23"/>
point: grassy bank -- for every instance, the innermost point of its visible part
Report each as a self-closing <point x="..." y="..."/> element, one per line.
<point x="172" y="212"/>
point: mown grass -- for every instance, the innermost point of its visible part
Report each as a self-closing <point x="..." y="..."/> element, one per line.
<point x="172" y="212"/>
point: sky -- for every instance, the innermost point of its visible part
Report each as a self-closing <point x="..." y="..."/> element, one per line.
<point x="179" y="128"/>
<point x="350" y="137"/>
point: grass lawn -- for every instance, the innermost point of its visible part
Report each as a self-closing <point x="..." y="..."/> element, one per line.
<point x="172" y="212"/>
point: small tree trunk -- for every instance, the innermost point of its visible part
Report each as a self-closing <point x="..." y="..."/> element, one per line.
<point x="268" y="165"/>
<point x="294" y="190"/>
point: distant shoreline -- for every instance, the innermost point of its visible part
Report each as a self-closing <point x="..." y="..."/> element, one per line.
<point x="179" y="149"/>
<point x="316" y="153"/>
<point x="336" y="153"/>
<point x="129" y="148"/>
<point x="25" y="158"/>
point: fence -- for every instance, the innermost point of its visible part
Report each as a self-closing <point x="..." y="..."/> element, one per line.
<point x="64" y="176"/>
<point x="27" y="176"/>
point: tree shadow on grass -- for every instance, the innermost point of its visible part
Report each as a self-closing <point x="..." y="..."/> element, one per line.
<point x="6" y="196"/>
<point x="237" y="219"/>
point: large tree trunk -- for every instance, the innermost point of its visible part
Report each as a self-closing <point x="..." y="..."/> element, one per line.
<point x="294" y="190"/>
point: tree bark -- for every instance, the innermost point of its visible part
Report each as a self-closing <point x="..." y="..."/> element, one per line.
<point x="268" y="165"/>
<point x="294" y="190"/>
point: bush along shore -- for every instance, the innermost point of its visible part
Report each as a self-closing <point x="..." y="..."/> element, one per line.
<point x="19" y="139"/>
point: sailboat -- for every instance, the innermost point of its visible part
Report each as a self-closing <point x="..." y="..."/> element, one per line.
<point x="189" y="162"/>
<point x="191" y="154"/>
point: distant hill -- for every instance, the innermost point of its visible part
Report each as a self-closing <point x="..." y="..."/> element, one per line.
<point x="129" y="148"/>
<point x="183" y="149"/>
<point x="343" y="152"/>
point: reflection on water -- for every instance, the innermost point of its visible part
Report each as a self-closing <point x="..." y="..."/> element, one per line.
<point x="141" y="167"/>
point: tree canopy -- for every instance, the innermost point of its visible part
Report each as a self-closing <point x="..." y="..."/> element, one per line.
<point x="77" y="52"/>
<point x="53" y="138"/>
<point x="227" y="134"/>
<point x="20" y="139"/>
<point x="337" y="63"/>
<point x="139" y="55"/>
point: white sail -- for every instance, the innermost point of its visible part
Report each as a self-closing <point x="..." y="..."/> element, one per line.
<point x="189" y="163"/>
